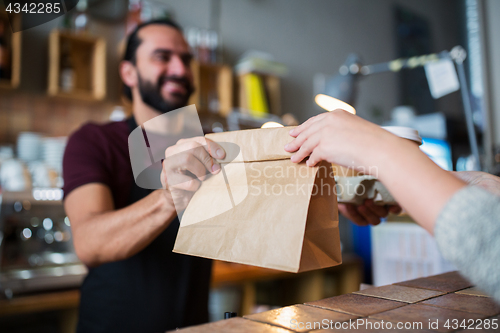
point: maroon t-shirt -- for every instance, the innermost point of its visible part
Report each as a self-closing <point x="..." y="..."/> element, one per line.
<point x="153" y="291"/>
<point x="99" y="154"/>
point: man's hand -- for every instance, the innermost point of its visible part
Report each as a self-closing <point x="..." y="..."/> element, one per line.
<point x="186" y="165"/>
<point x="368" y="213"/>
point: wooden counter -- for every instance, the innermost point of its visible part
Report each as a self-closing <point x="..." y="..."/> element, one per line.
<point x="40" y="302"/>
<point x="223" y="274"/>
<point x="440" y="303"/>
<point x="309" y="285"/>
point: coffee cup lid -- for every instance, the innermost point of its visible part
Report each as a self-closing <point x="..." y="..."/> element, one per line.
<point x="405" y="133"/>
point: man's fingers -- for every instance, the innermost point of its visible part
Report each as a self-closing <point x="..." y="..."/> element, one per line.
<point x="179" y="181"/>
<point x="187" y="164"/>
<point x="368" y="215"/>
<point x="188" y="160"/>
<point x="207" y="156"/>
<point x="380" y="211"/>
<point x="199" y="147"/>
<point x="349" y="211"/>
<point x="213" y="148"/>
<point x="195" y="166"/>
<point x="206" y="159"/>
<point x="395" y="209"/>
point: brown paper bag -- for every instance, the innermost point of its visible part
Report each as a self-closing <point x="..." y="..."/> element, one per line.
<point x="262" y="209"/>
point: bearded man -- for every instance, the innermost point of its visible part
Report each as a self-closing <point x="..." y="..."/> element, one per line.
<point x="123" y="233"/>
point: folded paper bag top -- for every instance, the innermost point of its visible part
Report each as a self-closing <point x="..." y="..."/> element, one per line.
<point x="262" y="209"/>
<point x="266" y="144"/>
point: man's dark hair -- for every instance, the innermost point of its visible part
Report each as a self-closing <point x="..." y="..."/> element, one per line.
<point x="134" y="41"/>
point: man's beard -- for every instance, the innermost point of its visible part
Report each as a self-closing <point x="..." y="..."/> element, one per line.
<point x="151" y="93"/>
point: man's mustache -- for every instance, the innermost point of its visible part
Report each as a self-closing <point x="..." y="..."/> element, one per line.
<point x="179" y="80"/>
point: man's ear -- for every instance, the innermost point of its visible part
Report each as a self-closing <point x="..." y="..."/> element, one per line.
<point x="128" y="73"/>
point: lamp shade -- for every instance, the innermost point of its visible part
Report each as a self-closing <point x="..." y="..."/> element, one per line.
<point x="271" y="124"/>
<point x="330" y="103"/>
<point x="340" y="90"/>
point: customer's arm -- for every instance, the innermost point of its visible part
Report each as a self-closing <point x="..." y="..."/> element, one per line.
<point x="464" y="219"/>
<point x="468" y="231"/>
<point x="418" y="184"/>
<point x="102" y="234"/>
<point x="370" y="213"/>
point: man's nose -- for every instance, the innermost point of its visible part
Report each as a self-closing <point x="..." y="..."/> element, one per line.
<point x="176" y="66"/>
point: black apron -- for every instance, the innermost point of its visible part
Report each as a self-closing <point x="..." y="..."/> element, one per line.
<point x="153" y="291"/>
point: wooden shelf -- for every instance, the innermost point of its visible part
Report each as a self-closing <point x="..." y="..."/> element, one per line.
<point x="87" y="55"/>
<point x="13" y="40"/>
<point x="214" y="88"/>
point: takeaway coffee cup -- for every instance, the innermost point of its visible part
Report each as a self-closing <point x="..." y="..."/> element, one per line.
<point x="355" y="188"/>
<point x="405" y="133"/>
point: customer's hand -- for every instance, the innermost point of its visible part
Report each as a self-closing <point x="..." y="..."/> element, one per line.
<point x="341" y="138"/>
<point x="345" y="139"/>
<point x="368" y="213"/>
<point x="485" y="180"/>
<point x="186" y="165"/>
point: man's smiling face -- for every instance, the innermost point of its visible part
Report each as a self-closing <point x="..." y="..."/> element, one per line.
<point x="165" y="80"/>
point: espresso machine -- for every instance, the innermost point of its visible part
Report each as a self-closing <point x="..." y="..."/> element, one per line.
<point x="36" y="248"/>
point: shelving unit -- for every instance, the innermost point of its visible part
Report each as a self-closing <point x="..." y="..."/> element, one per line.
<point x="87" y="55"/>
<point x="13" y="40"/>
<point x="214" y="88"/>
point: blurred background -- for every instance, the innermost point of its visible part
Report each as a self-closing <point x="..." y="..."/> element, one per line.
<point x="255" y="61"/>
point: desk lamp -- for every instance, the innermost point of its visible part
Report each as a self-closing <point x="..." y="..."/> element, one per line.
<point x="341" y="90"/>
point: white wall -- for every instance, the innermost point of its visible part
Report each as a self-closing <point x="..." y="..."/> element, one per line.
<point x="316" y="36"/>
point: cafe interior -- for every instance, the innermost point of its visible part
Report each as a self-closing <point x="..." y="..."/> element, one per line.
<point x="431" y="66"/>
